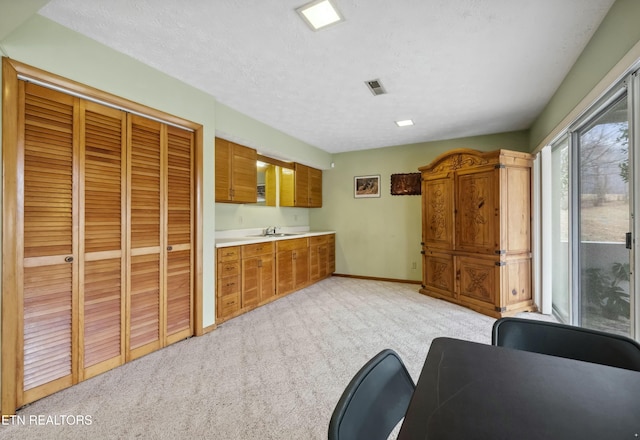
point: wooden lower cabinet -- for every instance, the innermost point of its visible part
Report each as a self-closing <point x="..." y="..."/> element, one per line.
<point x="258" y="274"/>
<point x="292" y="265"/>
<point x="252" y="275"/>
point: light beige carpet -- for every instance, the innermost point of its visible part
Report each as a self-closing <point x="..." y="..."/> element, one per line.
<point x="273" y="373"/>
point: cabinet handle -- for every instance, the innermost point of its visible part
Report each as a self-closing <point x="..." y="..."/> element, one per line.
<point x="169" y="248"/>
<point x="68" y="259"/>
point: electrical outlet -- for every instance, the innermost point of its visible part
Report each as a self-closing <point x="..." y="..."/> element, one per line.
<point x="414" y="265"/>
<point x="240" y="220"/>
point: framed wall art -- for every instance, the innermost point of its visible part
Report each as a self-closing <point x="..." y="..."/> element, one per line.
<point x="366" y="186"/>
<point x="407" y="184"/>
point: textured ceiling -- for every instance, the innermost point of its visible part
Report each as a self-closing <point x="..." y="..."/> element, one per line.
<point x="457" y="68"/>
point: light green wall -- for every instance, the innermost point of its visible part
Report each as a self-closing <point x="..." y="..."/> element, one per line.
<point x="14" y="13"/>
<point x="380" y="237"/>
<point x="618" y="32"/>
<point x="232" y="216"/>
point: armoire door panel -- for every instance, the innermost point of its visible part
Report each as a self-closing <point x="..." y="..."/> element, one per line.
<point x="438" y="215"/>
<point x="476" y="212"/>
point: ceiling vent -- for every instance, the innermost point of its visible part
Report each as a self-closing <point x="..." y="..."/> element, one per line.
<point x="376" y="87"/>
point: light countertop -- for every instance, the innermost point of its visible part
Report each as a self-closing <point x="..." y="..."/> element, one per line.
<point x="239" y="237"/>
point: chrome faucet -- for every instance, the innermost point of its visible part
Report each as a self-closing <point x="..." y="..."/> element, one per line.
<point x="271" y="230"/>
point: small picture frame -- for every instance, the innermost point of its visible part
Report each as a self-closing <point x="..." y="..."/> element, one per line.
<point x="366" y="186"/>
<point x="407" y="184"/>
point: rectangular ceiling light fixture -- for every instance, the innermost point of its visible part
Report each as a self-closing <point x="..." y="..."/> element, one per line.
<point x="404" y="123"/>
<point x="319" y="14"/>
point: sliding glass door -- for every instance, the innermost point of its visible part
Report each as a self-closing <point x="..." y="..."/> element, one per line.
<point x="602" y="223"/>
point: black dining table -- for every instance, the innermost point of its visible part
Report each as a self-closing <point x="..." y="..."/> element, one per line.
<point x="475" y="391"/>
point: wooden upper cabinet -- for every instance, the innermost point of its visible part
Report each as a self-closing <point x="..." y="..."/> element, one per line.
<point x="301" y="187"/>
<point x="315" y="188"/>
<point x="236" y="173"/>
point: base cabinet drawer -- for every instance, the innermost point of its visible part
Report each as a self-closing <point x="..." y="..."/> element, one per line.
<point x="228" y="304"/>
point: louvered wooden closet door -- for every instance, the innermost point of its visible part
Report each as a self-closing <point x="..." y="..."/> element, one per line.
<point x="49" y="283"/>
<point x="103" y="147"/>
<point x="145" y="212"/>
<point x="179" y="234"/>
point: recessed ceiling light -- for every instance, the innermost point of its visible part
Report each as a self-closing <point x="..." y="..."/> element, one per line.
<point x="319" y="13"/>
<point x="404" y="123"/>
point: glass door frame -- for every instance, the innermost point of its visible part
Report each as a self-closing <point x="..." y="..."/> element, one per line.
<point x="632" y="92"/>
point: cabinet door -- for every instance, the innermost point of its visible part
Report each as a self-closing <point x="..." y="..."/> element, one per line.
<point x="236" y="172"/>
<point x="438" y="211"/>
<point x="244" y="179"/>
<point x="287" y="187"/>
<point x="285" y="274"/>
<point x="315" y="188"/>
<point x="301" y="267"/>
<point x="478" y="280"/>
<point x="301" y="194"/>
<point x="179" y="234"/>
<point x="145" y="220"/>
<point x="318" y="257"/>
<point x="49" y="248"/>
<point x="477" y="214"/>
<point x="102" y="218"/>
<point x="439" y="271"/>
<point x="267" y="278"/>
<point x="223" y="170"/>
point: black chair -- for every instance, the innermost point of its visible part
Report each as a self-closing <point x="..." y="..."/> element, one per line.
<point x="567" y="341"/>
<point x="375" y="400"/>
